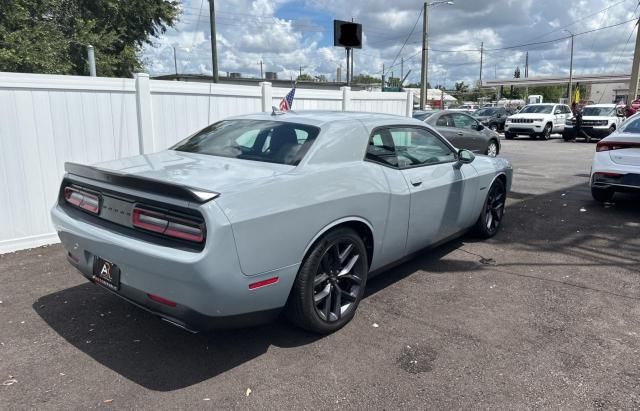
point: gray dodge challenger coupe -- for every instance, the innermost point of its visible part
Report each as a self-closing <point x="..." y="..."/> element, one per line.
<point x="264" y="213"/>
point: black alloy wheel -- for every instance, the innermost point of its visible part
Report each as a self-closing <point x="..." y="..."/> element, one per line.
<point x="489" y="221"/>
<point x="330" y="283"/>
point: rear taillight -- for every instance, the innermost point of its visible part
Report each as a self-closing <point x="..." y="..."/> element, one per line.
<point x="615" y="145"/>
<point x="168" y="225"/>
<point x="82" y="199"/>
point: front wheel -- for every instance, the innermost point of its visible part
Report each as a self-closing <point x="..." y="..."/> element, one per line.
<point x="330" y="283"/>
<point x="489" y="221"/>
<point x="492" y="148"/>
<point x="509" y="136"/>
<point x="546" y="132"/>
<point x="494" y="127"/>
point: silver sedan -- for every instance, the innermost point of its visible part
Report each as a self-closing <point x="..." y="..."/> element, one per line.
<point x="262" y="213"/>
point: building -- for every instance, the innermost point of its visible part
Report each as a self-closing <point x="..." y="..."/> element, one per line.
<point x="609" y="93"/>
<point x="434" y="97"/>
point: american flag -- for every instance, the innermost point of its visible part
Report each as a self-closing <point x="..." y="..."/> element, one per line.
<point x="287" y="102"/>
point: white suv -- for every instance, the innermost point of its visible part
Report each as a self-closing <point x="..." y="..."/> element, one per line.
<point x="598" y="121"/>
<point x="537" y="120"/>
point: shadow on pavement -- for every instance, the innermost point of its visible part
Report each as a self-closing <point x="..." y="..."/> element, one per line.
<point x="159" y="357"/>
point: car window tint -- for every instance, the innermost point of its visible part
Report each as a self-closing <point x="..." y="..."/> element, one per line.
<point x="444" y="121"/>
<point x="631" y="126"/>
<point x="258" y="140"/>
<point x="462" y="121"/>
<point x="381" y="149"/>
<point x="414" y="147"/>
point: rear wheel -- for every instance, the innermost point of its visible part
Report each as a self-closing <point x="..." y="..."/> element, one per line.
<point x="489" y="221"/>
<point x="330" y="283"/>
<point x="603" y="195"/>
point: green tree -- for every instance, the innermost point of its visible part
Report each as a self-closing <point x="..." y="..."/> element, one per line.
<point x="366" y="79"/>
<point x="461" y="87"/>
<point x="50" y="36"/>
<point x="304" y="77"/>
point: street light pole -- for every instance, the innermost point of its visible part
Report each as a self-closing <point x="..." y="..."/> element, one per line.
<point x="425" y="49"/>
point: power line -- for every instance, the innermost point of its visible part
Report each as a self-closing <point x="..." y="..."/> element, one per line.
<point x="407" y="39"/>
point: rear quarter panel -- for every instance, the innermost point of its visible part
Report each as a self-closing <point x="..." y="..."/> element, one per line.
<point x="274" y="222"/>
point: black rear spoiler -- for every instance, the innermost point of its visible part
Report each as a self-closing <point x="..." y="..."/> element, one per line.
<point x="141" y="183"/>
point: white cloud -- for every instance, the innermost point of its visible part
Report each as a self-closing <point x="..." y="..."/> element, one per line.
<point x="249" y="31"/>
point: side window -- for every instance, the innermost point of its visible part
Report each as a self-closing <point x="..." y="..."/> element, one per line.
<point x="462" y="121"/>
<point x="416" y="147"/>
<point x="381" y="149"/>
<point x="444" y="121"/>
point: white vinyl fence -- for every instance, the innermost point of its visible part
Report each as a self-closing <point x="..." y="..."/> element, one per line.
<point x="46" y="120"/>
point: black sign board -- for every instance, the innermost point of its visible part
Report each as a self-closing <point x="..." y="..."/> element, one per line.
<point x="347" y="34"/>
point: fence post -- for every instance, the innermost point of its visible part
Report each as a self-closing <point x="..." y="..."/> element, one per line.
<point x="145" y="117"/>
<point x="346" y="98"/>
<point x="409" y="103"/>
<point x="267" y="96"/>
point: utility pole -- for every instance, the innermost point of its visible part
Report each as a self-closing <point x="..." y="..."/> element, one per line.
<point x="382" y="86"/>
<point x="425" y="55"/>
<point x="481" y="55"/>
<point x="401" y="67"/>
<point x="302" y="67"/>
<point x="526" y="75"/>
<point x="569" y="96"/>
<point x="175" y="62"/>
<point x="261" y="72"/>
<point x="633" y="84"/>
<point x="214" y="50"/>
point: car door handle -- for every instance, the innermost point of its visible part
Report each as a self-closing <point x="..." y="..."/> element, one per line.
<point x="416" y="182"/>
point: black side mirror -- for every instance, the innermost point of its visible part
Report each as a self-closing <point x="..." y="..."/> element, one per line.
<point x="479" y="127"/>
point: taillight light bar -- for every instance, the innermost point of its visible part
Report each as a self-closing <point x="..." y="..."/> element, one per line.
<point x="82" y="199"/>
<point x="615" y="145"/>
<point x="166" y="224"/>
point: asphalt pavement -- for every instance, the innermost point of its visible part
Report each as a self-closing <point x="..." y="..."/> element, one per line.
<point x="544" y="315"/>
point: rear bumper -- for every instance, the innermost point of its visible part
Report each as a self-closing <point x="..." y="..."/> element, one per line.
<point x="607" y="174"/>
<point x="208" y="287"/>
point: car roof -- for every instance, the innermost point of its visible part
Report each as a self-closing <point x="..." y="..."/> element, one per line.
<point x="610" y="105"/>
<point x="543" y="104"/>
<point x="319" y="118"/>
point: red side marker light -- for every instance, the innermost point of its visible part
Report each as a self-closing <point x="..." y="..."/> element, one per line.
<point x="161" y="300"/>
<point x="263" y="283"/>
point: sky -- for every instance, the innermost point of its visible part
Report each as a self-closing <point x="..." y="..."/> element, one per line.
<point x="285" y="35"/>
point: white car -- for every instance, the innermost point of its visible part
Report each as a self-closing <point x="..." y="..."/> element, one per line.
<point x="598" y="121"/>
<point x="537" y="120"/>
<point x="616" y="164"/>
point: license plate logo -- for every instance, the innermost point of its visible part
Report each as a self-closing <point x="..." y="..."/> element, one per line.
<point x="107" y="274"/>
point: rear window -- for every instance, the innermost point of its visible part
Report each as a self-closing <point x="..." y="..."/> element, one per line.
<point x="257" y="140"/>
<point x="631" y="126"/>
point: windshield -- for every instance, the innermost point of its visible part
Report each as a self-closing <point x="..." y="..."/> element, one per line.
<point x="599" y="111"/>
<point x="258" y="140"/>
<point x="422" y="115"/>
<point x="537" y="109"/>
<point x="485" y="112"/>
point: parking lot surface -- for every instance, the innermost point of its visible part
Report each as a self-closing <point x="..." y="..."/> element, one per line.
<point x="544" y="315"/>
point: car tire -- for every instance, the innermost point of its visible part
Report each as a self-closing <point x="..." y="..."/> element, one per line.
<point x="334" y="272"/>
<point x="612" y="129"/>
<point x="603" y="195"/>
<point x="546" y="132"/>
<point x="509" y="136"/>
<point x="492" y="148"/>
<point x="567" y="136"/>
<point x="493" y="127"/>
<point x="492" y="211"/>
